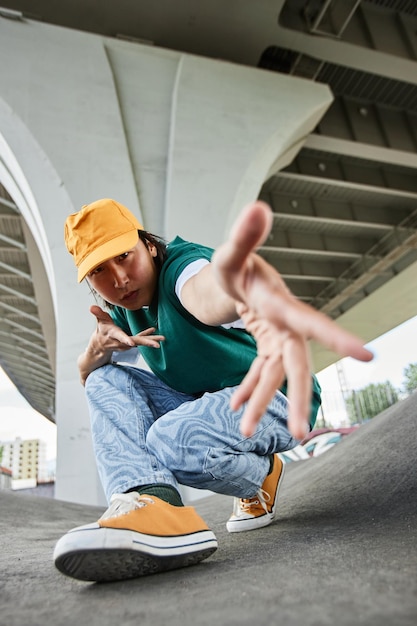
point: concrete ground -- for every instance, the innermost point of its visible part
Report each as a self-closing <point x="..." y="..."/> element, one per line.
<point x="342" y="551"/>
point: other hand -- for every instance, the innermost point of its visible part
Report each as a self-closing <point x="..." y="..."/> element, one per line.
<point x="109" y="337"/>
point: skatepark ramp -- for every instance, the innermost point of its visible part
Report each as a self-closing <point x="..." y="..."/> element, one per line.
<point x="343" y="550"/>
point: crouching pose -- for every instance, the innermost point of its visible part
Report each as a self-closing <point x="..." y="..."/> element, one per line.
<point x="228" y="386"/>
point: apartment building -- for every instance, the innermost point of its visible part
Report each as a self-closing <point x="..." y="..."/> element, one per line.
<point x="26" y="458"/>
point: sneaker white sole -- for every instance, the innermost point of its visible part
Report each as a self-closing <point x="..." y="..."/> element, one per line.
<point x="92" y="553"/>
<point x="237" y="525"/>
<point x="240" y="524"/>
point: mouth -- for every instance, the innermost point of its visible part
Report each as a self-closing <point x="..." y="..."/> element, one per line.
<point x="130" y="295"/>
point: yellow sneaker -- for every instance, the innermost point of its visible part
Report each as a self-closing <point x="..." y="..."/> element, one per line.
<point x="258" y="511"/>
<point x="136" y="536"/>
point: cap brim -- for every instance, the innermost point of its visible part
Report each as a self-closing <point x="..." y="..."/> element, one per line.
<point x="107" y="251"/>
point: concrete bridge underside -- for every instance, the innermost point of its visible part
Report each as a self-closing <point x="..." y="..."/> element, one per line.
<point x="185" y="127"/>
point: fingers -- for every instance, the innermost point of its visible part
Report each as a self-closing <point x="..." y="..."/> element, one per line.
<point x="328" y="333"/>
<point x="283" y="310"/>
<point x="148" y="339"/>
<point x="110" y="335"/>
<point x="299" y="399"/>
<point x="265" y="376"/>
<point x="99" y="314"/>
<point x="248" y="384"/>
<point x="250" y="230"/>
<point x="295" y="358"/>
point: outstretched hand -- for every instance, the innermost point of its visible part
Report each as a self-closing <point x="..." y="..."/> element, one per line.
<point x="281" y="324"/>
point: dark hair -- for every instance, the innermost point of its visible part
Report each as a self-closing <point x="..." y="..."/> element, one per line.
<point x="161" y="250"/>
<point x="158" y="242"/>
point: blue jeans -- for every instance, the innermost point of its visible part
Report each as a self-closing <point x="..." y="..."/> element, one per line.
<point x="144" y="432"/>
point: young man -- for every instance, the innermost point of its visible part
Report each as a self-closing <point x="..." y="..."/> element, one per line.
<point x="229" y="386"/>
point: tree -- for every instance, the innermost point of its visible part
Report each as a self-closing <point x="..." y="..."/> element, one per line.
<point x="370" y="401"/>
<point x="410" y="374"/>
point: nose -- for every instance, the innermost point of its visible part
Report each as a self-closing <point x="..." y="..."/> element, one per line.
<point x="120" y="278"/>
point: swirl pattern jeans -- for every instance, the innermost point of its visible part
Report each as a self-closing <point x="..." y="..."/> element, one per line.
<point x="144" y="432"/>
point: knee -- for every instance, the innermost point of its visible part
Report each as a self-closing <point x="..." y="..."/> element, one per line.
<point x="165" y="442"/>
<point x="99" y="376"/>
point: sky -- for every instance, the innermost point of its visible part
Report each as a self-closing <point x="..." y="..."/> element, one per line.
<point x="18" y="419"/>
<point x="392" y="353"/>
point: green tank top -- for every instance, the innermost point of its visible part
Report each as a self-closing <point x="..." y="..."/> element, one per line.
<point x="194" y="358"/>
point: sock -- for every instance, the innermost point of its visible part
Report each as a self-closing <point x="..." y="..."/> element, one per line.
<point x="163" y="492"/>
<point x="271" y="463"/>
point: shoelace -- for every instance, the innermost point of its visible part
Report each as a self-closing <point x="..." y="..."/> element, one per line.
<point x="262" y="497"/>
<point x="122" y="503"/>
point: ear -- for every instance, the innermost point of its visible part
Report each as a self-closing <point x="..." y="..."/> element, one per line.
<point x="152" y="249"/>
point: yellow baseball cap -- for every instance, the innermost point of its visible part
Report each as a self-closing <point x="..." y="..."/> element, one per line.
<point x="98" y="232"/>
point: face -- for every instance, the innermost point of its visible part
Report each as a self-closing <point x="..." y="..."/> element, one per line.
<point x="128" y="280"/>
